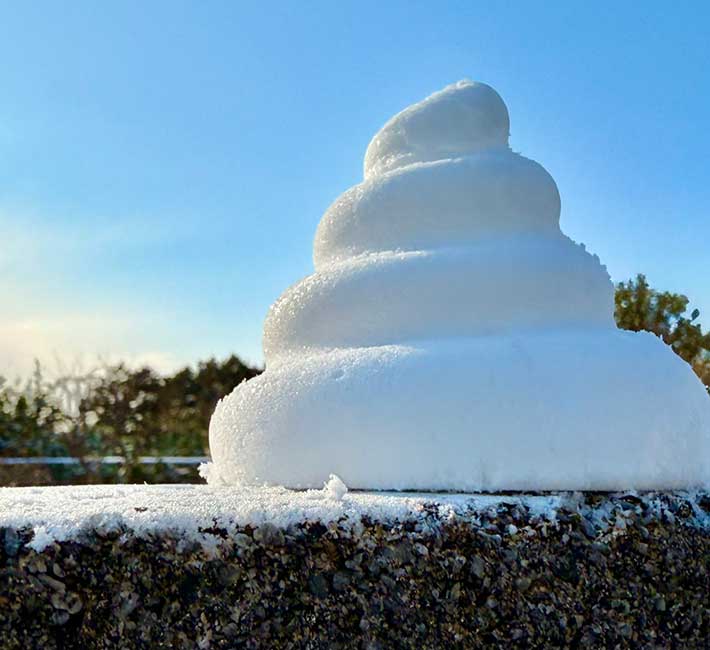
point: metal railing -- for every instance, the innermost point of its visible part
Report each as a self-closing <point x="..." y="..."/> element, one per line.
<point x="102" y="460"/>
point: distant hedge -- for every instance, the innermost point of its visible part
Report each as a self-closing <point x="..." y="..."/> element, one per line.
<point x="113" y="411"/>
<point x="510" y="580"/>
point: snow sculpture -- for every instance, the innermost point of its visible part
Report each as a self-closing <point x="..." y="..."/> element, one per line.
<point x="452" y="338"/>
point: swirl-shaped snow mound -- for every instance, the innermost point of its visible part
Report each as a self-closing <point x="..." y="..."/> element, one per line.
<point x="453" y="338"/>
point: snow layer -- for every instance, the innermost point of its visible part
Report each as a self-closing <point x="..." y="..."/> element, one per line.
<point x="67" y="512"/>
<point x="463" y="118"/>
<point x="57" y="514"/>
<point x="486" y="288"/>
<point x="452" y="337"/>
<point x="563" y="409"/>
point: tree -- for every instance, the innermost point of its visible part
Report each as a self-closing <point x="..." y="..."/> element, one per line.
<point x="638" y="307"/>
<point x="115" y="411"/>
<point x="29" y="419"/>
<point x="140" y="413"/>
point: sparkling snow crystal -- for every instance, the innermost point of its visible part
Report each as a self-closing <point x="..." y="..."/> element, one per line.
<point x="453" y="338"/>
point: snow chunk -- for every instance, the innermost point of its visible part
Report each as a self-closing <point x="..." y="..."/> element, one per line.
<point x="210" y="472"/>
<point x="334" y="488"/>
<point x="41" y="539"/>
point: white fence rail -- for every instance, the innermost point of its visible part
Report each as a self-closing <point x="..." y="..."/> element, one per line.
<point x="102" y="460"/>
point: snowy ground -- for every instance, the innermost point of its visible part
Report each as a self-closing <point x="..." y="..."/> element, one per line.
<point x="62" y="513"/>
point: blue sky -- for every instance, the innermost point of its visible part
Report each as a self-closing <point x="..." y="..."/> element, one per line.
<point x="163" y="165"/>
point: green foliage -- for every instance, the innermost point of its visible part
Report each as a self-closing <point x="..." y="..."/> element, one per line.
<point x="139" y="413"/>
<point x="29" y="419"/>
<point x="638" y="307"/>
<point x="116" y="411"/>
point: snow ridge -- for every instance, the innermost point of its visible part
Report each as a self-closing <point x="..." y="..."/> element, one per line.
<point x="59" y="514"/>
